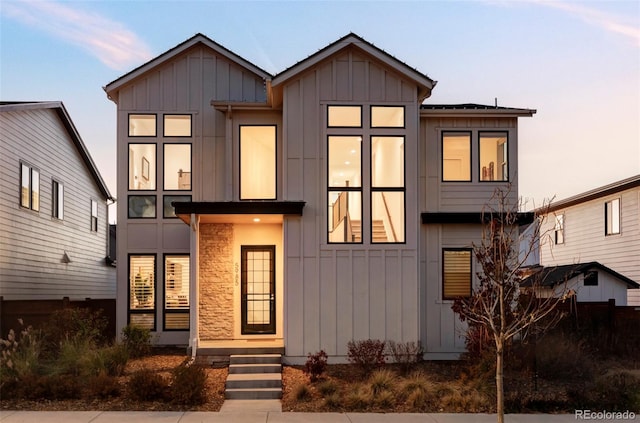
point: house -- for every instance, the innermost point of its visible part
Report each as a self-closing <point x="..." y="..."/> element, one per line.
<point x="600" y="225"/>
<point x="54" y="237"/>
<point x="299" y="211"/>
<point x="589" y="282"/>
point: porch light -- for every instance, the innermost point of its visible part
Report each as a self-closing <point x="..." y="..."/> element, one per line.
<point x="256" y="219"/>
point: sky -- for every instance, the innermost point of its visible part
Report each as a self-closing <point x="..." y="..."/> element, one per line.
<point x="576" y="63"/>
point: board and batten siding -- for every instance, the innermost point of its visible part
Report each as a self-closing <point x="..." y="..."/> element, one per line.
<point x="585" y="239"/>
<point x="32" y="244"/>
<point x="335" y="293"/>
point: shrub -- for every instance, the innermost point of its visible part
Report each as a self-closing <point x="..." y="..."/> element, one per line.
<point x="359" y="398"/>
<point x="334" y="400"/>
<point x="385" y="399"/>
<point x="316" y="365"/>
<point x="145" y="385"/>
<point x="618" y="390"/>
<point x="382" y="380"/>
<point x="366" y="353"/>
<point x="112" y="359"/>
<point x="406" y="354"/>
<point x="75" y="358"/>
<point x="104" y="386"/>
<point x="78" y="324"/>
<point x="301" y="392"/>
<point x="137" y="340"/>
<point x="561" y="357"/>
<point x="327" y="388"/>
<point x="20" y="354"/>
<point x="189" y="384"/>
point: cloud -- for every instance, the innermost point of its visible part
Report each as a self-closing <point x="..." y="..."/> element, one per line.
<point x="111" y="42"/>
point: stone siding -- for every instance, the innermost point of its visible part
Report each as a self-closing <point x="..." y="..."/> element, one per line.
<point x="216" y="281"/>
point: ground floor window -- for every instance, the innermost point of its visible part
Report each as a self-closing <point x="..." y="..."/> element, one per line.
<point x="142" y="288"/>
<point x="176" y="292"/>
<point x="456" y="273"/>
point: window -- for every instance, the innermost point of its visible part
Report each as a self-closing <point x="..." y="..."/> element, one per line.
<point x="456" y="156"/>
<point x="168" y="210"/>
<point x="142" y="166"/>
<point x="142" y="289"/>
<point x="29" y="187"/>
<point x="142" y="125"/>
<point x="177" y="125"/>
<point x="142" y="207"/>
<point x="387" y="116"/>
<point x="258" y="162"/>
<point x="558" y="230"/>
<point x="345" y="188"/>
<point x="176" y="292"/>
<point x="612" y="217"/>
<point x="493" y="157"/>
<point x="94" y="216"/>
<point x="387" y="189"/>
<point x="344" y="116"/>
<point x="57" y="200"/>
<point x="591" y="278"/>
<point x="177" y="167"/>
<point x="456" y="273"/>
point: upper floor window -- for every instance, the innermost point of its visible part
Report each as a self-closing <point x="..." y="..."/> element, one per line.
<point x="258" y="162"/>
<point x="558" y="230"/>
<point x="493" y="156"/>
<point x="177" y="167"/>
<point x="142" y="125"/>
<point x="142" y="166"/>
<point x="387" y="116"/>
<point x="169" y="211"/>
<point x="456" y="273"/>
<point x="177" y="125"/>
<point x="345" y="188"/>
<point x="387" y="189"/>
<point x="29" y="187"/>
<point x="57" y="200"/>
<point x="612" y="217"/>
<point x="142" y="207"/>
<point x="344" y="116"/>
<point x="94" y="216"/>
<point x="456" y="156"/>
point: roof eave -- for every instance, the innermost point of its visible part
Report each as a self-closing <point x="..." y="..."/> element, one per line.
<point x="478" y="112"/>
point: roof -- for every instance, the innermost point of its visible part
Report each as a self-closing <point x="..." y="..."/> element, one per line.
<point x="555" y="275"/>
<point x="593" y="194"/>
<point x="62" y="113"/>
<point x="352" y="39"/>
<point x="468" y="109"/>
<point x="177" y="50"/>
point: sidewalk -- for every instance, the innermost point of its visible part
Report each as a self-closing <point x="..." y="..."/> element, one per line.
<point x="269" y="417"/>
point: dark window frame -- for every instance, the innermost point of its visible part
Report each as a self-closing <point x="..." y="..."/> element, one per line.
<point x="155" y="144"/>
<point x="508" y="179"/>
<point x="31" y="170"/>
<point x="470" y="251"/>
<point x="155" y="115"/>
<point x="275" y="158"/>
<point x="154" y="311"/>
<point x="164" y="125"/>
<point x="404" y="116"/>
<point x="164" y="158"/>
<point x="443" y="133"/>
<point x="155" y="209"/>
<point x="164" y="197"/>
<point x="57" y="200"/>
<point x="166" y="311"/>
<point x="94" y="217"/>
<point x="346" y="105"/>
<point x="611" y="231"/>
<point x="590" y="278"/>
<point x="558" y="232"/>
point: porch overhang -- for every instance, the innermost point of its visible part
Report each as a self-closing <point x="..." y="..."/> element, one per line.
<point x="471" y="217"/>
<point x="238" y="211"/>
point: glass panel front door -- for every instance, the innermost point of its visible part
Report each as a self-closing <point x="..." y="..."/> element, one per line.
<point x="258" y="289"/>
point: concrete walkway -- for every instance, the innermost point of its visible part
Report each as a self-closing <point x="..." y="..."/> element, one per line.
<point x="271" y="417"/>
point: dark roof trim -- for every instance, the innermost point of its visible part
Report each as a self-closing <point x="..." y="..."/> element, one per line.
<point x="593" y="194"/>
<point x="62" y="113"/>
<point x="472" y="109"/>
<point x="472" y="217"/>
<point x="554" y="275"/>
<point x="240" y="207"/>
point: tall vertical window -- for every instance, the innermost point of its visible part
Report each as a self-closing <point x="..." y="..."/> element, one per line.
<point x="177" y="167"/>
<point x="387" y="189"/>
<point x="142" y="125"/>
<point x="29" y="187"/>
<point x="559" y="229"/>
<point x="176" y="292"/>
<point x="456" y="156"/>
<point x="456" y="273"/>
<point x="612" y="217"/>
<point x="57" y="200"/>
<point x="494" y="164"/>
<point x="345" y="188"/>
<point x="258" y="162"/>
<point x="142" y="166"/>
<point x="94" y="216"/>
<point x="177" y="125"/>
<point x="142" y="290"/>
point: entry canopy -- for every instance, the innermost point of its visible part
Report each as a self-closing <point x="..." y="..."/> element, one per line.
<point x="238" y="211"/>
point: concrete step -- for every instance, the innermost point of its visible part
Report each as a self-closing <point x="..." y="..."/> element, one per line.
<point x="255" y="359"/>
<point x="253" y="394"/>
<point x="254" y="380"/>
<point x="255" y="368"/>
<point x="227" y="351"/>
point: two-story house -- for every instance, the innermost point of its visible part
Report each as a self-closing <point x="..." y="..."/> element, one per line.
<point x="296" y="212"/>
<point x="54" y="241"/>
<point x="601" y="225"/>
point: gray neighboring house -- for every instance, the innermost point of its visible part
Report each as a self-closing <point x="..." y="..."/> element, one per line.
<point x="53" y="208"/>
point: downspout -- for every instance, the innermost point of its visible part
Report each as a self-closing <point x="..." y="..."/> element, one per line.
<point x="194" y="332"/>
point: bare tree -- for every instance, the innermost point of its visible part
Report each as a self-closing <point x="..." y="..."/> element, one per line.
<point x="497" y="305"/>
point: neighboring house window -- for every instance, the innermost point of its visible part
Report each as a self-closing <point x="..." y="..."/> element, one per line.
<point x="612" y="217"/>
<point x="94" y="216"/>
<point x="456" y="273"/>
<point x="168" y="210"/>
<point x="142" y="166"/>
<point x="387" y="189"/>
<point x="558" y="230"/>
<point x="177" y="125"/>
<point x="142" y="290"/>
<point x="177" y="167"/>
<point x="176" y="292"/>
<point x="143" y="125"/>
<point x="494" y="164"/>
<point x="345" y="188"/>
<point x="29" y="187"/>
<point x="142" y="207"/>
<point x="456" y="156"/>
<point x="57" y="200"/>
<point x="591" y="278"/>
<point x="258" y="162"/>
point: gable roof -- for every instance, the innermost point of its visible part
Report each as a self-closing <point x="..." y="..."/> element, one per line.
<point x="471" y="109"/>
<point x="177" y="50"/>
<point x="352" y="39"/>
<point x="555" y="275"/>
<point x="62" y="113"/>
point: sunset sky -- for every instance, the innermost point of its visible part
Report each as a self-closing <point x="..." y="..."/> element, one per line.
<point x="576" y="63"/>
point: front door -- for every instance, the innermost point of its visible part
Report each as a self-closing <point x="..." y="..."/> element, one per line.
<point x="258" y="279"/>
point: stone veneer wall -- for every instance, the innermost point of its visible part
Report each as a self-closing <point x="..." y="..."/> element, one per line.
<point x="216" y="281"/>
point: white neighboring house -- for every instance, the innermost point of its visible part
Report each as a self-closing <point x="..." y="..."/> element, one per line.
<point x="601" y="225"/>
<point x="53" y="208"/>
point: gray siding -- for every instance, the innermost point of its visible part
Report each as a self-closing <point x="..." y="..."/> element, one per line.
<point x="32" y="243"/>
